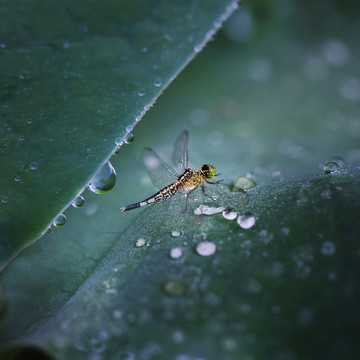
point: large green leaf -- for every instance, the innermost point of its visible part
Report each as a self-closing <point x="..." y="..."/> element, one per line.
<point x="276" y="108"/>
<point x="76" y="75"/>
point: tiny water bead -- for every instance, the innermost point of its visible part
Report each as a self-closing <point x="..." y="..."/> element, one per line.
<point x="243" y="182"/>
<point x="141" y="92"/>
<point x="206" y="248"/>
<point x="175" y="233"/>
<point x="140" y="242"/>
<point x="229" y="215"/>
<point x="33" y="165"/>
<point x="157" y="83"/>
<point x="176" y="253"/>
<point x="60" y="220"/>
<point x="78" y="202"/>
<point x="4" y="200"/>
<point x="208" y="210"/>
<point x="17" y="178"/>
<point x="328" y="248"/>
<point x="246" y="221"/>
<point x="119" y="141"/>
<point x="104" y="180"/>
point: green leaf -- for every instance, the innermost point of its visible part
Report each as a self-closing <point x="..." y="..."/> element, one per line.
<point x="275" y="109"/>
<point x="74" y="77"/>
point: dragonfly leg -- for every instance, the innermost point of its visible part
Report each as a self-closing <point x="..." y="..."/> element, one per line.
<point x="214" y="182"/>
<point x="203" y="190"/>
<point x="187" y="200"/>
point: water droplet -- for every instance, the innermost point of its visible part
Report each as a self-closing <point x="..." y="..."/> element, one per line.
<point x="60" y="220"/>
<point x="119" y="141"/>
<point x="157" y="83"/>
<point x="208" y="210"/>
<point x="141" y="92"/>
<point x="176" y="253"/>
<point x="129" y="138"/>
<point x="104" y="180"/>
<point x="206" y="248"/>
<point x="140" y="242"/>
<point x="243" y="182"/>
<point x="246" y="221"/>
<point x="175" y="233"/>
<point x="21" y="138"/>
<point x="328" y="248"/>
<point x="4" y="200"/>
<point x="174" y="288"/>
<point x="198" y="48"/>
<point x="350" y="89"/>
<point x="331" y="166"/>
<point x="229" y="215"/>
<point x="78" y="202"/>
<point x="33" y="165"/>
<point x="17" y="178"/>
<point x="336" y="53"/>
<point x="129" y="128"/>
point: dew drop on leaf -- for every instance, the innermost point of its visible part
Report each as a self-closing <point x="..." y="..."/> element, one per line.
<point x="104" y="180"/>
<point x="78" y="202"/>
<point x="60" y="220"/>
<point x="246" y="221"/>
<point x="206" y="248"/>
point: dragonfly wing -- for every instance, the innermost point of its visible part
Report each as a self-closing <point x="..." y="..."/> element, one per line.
<point x="180" y="155"/>
<point x="160" y="173"/>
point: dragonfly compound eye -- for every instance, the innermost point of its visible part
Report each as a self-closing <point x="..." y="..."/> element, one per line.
<point x="208" y="170"/>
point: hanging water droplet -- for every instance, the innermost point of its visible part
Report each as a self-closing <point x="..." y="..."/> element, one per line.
<point x="176" y="253"/>
<point x="206" y="248"/>
<point x="60" y="220"/>
<point x="229" y="215"/>
<point x="243" y="182"/>
<point x="33" y="165"/>
<point x="129" y="138"/>
<point x="246" y="221"/>
<point x="78" y="202"/>
<point x="104" y="180"/>
<point x="48" y="230"/>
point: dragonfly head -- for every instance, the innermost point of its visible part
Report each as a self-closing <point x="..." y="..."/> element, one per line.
<point x="208" y="171"/>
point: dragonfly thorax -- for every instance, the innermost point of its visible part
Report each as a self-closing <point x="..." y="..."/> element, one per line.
<point x="208" y="171"/>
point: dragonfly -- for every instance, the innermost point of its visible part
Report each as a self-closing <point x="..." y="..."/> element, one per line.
<point x="172" y="181"/>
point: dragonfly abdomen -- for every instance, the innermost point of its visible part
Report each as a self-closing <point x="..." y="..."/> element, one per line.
<point x="161" y="195"/>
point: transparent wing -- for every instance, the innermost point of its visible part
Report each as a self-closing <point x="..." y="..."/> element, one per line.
<point x="180" y="155"/>
<point x="160" y="173"/>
